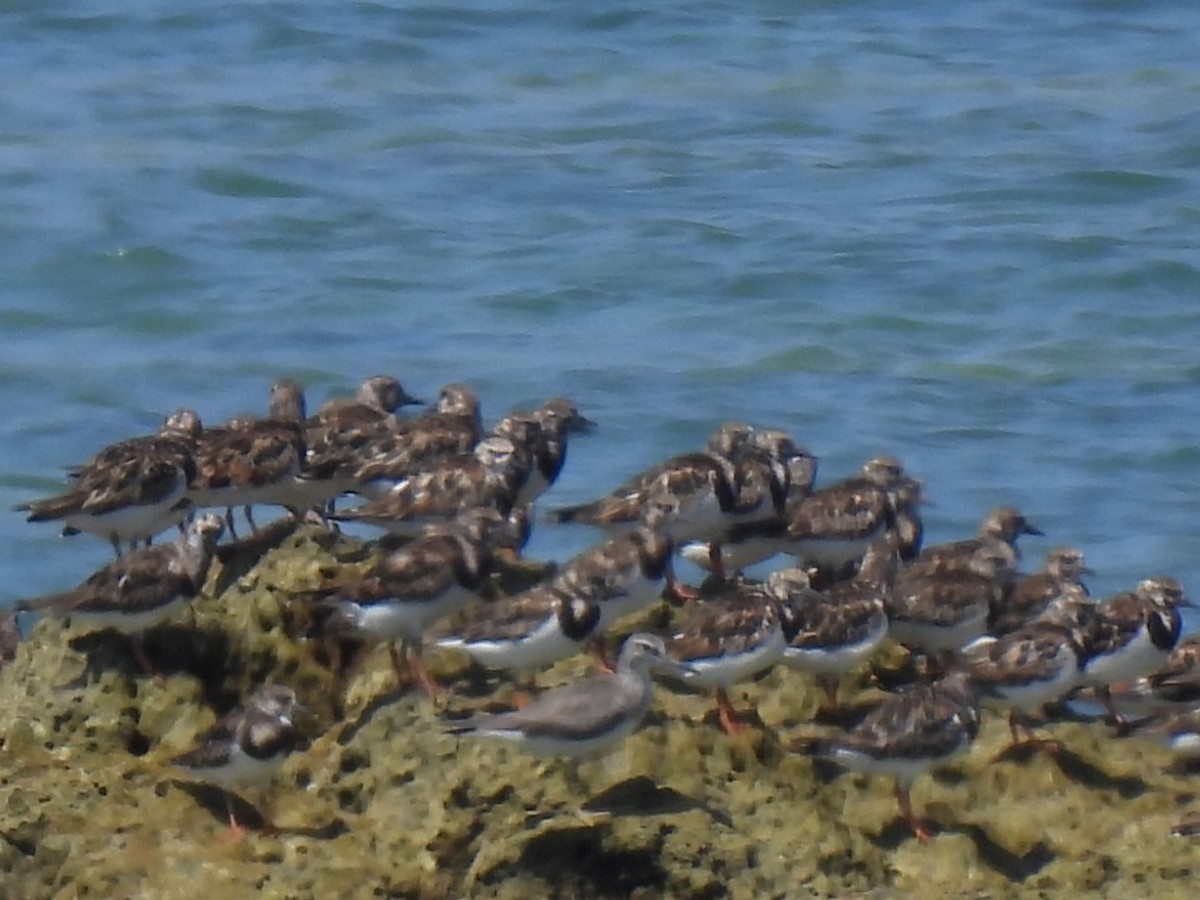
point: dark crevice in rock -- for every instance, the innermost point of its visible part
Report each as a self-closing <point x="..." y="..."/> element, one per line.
<point x="1014" y="867"/>
<point x="578" y="860"/>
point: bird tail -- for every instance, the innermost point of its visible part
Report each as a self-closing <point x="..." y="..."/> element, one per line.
<point x="51" y="508"/>
<point x="44" y="603"/>
<point x="584" y="512"/>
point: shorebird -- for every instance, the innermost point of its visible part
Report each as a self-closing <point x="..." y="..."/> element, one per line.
<point x="906" y="735"/>
<point x="433" y="576"/>
<point x="587" y="717"/>
<point x="833" y="632"/>
<point x="131" y="490"/>
<point x="246" y="747"/>
<point x="140" y="589"/>
<point x="730" y="640"/>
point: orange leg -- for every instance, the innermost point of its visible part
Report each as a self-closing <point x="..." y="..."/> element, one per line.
<point x="415" y="668"/>
<point x="922" y="832"/>
<point x="678" y="591"/>
<point x="1024" y="736"/>
<point x="603" y="663"/>
<point x="236" y="831"/>
<point x="732" y="722"/>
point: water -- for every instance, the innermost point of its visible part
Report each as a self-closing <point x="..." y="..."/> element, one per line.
<point x="964" y="236"/>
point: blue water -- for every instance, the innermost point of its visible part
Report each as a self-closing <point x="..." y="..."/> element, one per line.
<point x="967" y="236"/>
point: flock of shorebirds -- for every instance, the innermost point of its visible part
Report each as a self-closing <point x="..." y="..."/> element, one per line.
<point x="460" y="497"/>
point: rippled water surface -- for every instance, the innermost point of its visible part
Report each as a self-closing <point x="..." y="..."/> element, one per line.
<point x="967" y="236"/>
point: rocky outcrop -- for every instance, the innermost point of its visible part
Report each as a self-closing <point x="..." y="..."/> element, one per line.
<point x="384" y="803"/>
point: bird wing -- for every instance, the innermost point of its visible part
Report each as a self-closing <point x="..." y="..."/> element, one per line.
<point x="577" y="712"/>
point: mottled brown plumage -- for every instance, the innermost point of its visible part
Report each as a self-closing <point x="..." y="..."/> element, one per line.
<point x="245" y="747"/>
<point x="1030" y="595"/>
<point x="513" y="618"/>
<point x="1024" y="670"/>
<point x="833" y="632"/>
<point x="432" y="577"/>
<point x="832" y="527"/>
<point x="454" y="428"/>
<point x="1131" y="634"/>
<point x="709" y="469"/>
<point x="544" y="432"/>
<point x="253" y="461"/>
<point x="489" y="476"/>
<point x="1001" y="527"/>
<point x="140" y="589"/>
<point x="944" y="610"/>
<point x="130" y="490"/>
<point x="621" y="575"/>
<point x="908" y="733"/>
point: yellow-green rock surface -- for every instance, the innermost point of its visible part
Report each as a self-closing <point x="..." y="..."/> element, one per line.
<point x="385" y="804"/>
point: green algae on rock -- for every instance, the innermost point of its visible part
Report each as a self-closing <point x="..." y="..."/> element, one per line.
<point x="386" y="803"/>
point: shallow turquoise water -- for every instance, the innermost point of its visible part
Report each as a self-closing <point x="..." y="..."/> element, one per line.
<point x="968" y="237"/>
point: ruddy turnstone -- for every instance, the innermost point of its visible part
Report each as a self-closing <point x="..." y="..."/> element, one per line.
<point x="587" y="717"/>
<point x="707" y="498"/>
<point x="621" y="575"/>
<point x="1002" y="526"/>
<point x="377" y="400"/>
<point x="131" y="490"/>
<point x="909" y="733"/>
<point x="832" y="527"/>
<point x="488" y="476"/>
<point x="731" y="639"/>
<point x="586" y="596"/>
<point x="1132" y="634"/>
<point x="246" y="747"/>
<point x="453" y="429"/>
<point x="1175" y="684"/>
<point x="1032" y="594"/>
<point x="943" y="611"/>
<point x="1026" y="669"/>
<point x="337" y="436"/>
<point x="255" y="461"/>
<point x="141" y="589"/>
<point x="527" y="631"/>
<point x="431" y="577"/>
<point x="832" y="633"/>
<point x="556" y="420"/>
<point x="712" y="467"/>
<point x="748" y="543"/>
<point x="801" y="464"/>
<point x="763" y="470"/>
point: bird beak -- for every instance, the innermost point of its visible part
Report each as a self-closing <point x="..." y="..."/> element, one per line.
<point x="1026" y="528"/>
<point x="1087" y="570"/>
<point x="407" y="399"/>
<point x="583" y="424"/>
<point x="304" y="717"/>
